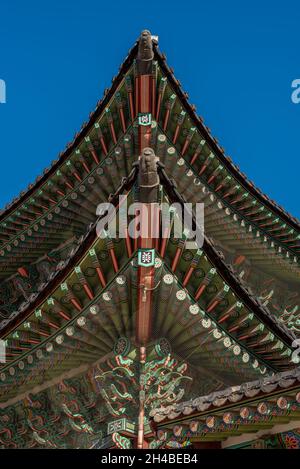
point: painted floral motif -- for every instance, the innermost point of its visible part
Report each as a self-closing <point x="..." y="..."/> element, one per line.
<point x="292" y="440"/>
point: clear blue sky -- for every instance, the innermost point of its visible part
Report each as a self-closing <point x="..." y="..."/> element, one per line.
<point x="235" y="59"/>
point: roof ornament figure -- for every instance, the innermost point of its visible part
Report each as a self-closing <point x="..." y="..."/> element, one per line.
<point x="148" y="176"/>
<point x="145" y="53"/>
<point x="148" y="179"/>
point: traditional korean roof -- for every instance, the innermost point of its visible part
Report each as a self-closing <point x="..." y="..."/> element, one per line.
<point x="103" y="104"/>
<point x="235" y="328"/>
<point x="70" y="297"/>
<point x="283" y="382"/>
<point x="62" y="204"/>
<point x="251" y="407"/>
<point x="187" y="133"/>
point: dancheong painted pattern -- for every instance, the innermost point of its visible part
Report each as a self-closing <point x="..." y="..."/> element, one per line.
<point x="148" y="342"/>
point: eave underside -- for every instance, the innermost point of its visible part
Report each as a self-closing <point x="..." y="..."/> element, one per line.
<point x="75" y="295"/>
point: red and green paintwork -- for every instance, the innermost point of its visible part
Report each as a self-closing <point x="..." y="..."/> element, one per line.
<point x="69" y="300"/>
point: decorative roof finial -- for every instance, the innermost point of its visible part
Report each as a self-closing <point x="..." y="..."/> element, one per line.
<point x="148" y="176"/>
<point x="145" y="53"/>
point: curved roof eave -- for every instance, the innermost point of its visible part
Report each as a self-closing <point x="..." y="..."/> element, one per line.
<point x="255" y="191"/>
<point x="228" y="275"/>
<point x="94" y="115"/>
<point x="282" y="332"/>
<point x="85" y="243"/>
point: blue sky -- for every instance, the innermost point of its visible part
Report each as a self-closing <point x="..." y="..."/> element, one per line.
<point x="235" y="59"/>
